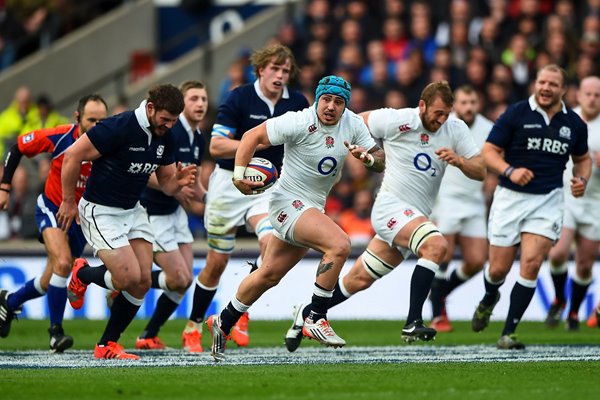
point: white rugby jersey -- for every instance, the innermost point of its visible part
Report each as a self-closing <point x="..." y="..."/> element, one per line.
<point x="413" y="171"/>
<point x="455" y="184"/>
<point x="592" y="191"/>
<point x="314" y="153"/>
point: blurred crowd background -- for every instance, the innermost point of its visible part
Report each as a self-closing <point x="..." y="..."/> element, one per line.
<point x="387" y="49"/>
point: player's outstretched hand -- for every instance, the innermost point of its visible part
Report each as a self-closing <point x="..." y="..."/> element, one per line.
<point x="449" y="156"/>
<point x="186" y="175"/>
<point x="359" y="152"/>
<point x="67" y="212"/>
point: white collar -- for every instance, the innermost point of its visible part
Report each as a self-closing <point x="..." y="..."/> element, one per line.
<point x="142" y="119"/>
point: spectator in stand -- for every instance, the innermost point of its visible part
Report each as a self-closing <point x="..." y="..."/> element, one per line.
<point x="22" y="111"/>
<point x="395" y="41"/>
<point x="356" y="221"/>
<point x="48" y="116"/>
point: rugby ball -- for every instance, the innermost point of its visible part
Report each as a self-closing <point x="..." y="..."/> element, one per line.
<point x="261" y="170"/>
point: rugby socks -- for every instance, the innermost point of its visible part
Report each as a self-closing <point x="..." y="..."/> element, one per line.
<point x="95" y="275"/>
<point x="203" y="296"/>
<point x="579" y="288"/>
<point x="340" y="294"/>
<point x="456" y="278"/>
<point x="123" y="310"/>
<point x="32" y="289"/>
<point x="57" y="298"/>
<point x="420" y="285"/>
<point x="520" y="297"/>
<point x="231" y="314"/>
<point x="320" y="303"/>
<point x="491" y="288"/>
<point x="165" y="307"/>
<point x="559" y="278"/>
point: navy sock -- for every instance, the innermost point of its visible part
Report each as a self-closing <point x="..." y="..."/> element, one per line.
<point x="202" y="300"/>
<point x="520" y="297"/>
<point x="420" y="284"/>
<point x="154" y="276"/>
<point x="578" y="292"/>
<point x="491" y="292"/>
<point x="95" y="275"/>
<point x="559" y="281"/>
<point x="25" y="293"/>
<point x="165" y="307"/>
<point x="57" y="299"/>
<point x="453" y="282"/>
<point x="122" y="313"/>
<point x="438" y="289"/>
<point x="229" y="317"/>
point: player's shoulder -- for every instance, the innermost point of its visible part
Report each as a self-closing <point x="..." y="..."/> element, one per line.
<point x="455" y="124"/>
<point x="575" y="118"/>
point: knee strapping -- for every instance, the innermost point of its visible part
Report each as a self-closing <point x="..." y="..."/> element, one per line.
<point x="221" y="243"/>
<point x="375" y="266"/>
<point x="421" y="234"/>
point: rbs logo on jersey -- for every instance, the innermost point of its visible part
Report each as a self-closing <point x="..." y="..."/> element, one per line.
<point x="142" y="168"/>
<point x="547" y="145"/>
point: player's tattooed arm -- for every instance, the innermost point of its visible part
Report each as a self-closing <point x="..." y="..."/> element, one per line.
<point x="378" y="159"/>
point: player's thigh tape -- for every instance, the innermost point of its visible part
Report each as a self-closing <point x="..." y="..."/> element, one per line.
<point x="375" y="266"/>
<point x="421" y="234"/>
<point x="221" y="243"/>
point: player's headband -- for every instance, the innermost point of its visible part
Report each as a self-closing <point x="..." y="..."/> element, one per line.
<point x="334" y="85"/>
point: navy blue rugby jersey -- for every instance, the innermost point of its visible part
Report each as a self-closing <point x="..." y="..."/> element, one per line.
<point x="189" y="148"/>
<point x="244" y="108"/>
<point x="129" y="154"/>
<point x="531" y="142"/>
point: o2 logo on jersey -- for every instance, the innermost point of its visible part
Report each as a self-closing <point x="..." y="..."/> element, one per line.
<point x="142" y="168"/>
<point x="327" y="166"/>
<point x="422" y="162"/>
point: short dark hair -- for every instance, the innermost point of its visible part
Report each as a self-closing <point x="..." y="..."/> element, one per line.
<point x="192" y="84"/>
<point x="555" y="68"/>
<point x="86" y="99"/>
<point x="166" y="97"/>
<point x="280" y="53"/>
<point x="439" y="89"/>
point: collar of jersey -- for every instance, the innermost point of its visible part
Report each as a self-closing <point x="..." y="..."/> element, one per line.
<point x="142" y="119"/>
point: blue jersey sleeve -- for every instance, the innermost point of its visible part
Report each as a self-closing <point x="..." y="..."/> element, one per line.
<point x="502" y="130"/>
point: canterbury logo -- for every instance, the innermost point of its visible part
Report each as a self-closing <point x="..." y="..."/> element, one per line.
<point x="404" y="128"/>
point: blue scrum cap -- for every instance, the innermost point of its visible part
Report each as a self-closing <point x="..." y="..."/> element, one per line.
<point x="333" y="85"/>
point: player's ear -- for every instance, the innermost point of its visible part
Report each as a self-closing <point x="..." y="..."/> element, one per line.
<point x="77" y="117"/>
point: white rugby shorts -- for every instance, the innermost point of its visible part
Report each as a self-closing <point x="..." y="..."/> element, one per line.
<point x="284" y="211"/>
<point x="389" y="216"/>
<point x="513" y="213"/>
<point x="170" y="230"/>
<point x="457" y="216"/>
<point x="107" y="228"/>
<point x="583" y="216"/>
<point x="227" y="207"/>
